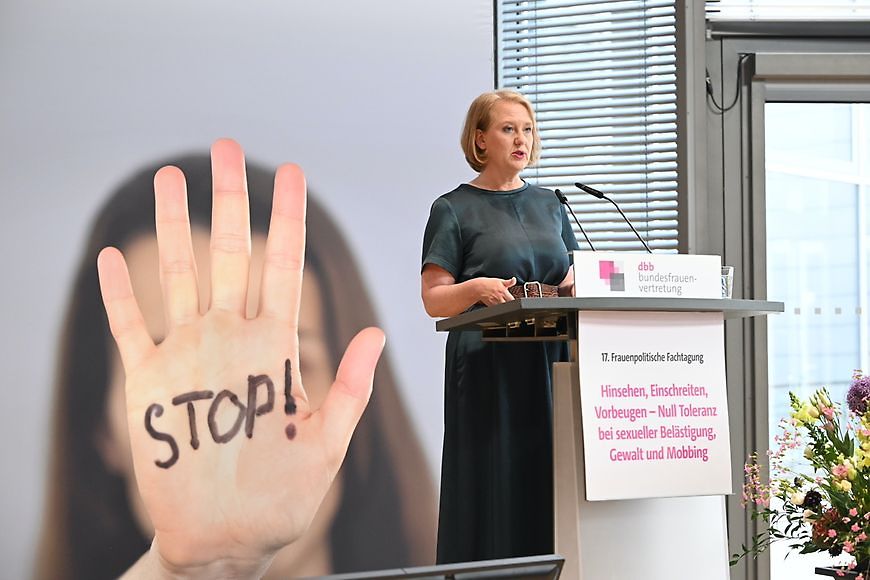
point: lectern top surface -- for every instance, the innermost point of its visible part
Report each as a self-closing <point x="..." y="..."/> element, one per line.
<point x="525" y="308"/>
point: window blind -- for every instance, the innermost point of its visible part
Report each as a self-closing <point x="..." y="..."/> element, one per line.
<point x="602" y="78"/>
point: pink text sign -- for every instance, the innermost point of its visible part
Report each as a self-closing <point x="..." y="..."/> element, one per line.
<point x="654" y="404"/>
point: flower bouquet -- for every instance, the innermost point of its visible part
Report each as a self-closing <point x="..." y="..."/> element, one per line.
<point x="821" y="501"/>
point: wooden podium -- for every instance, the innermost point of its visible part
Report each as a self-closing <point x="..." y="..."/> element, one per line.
<point x="656" y="536"/>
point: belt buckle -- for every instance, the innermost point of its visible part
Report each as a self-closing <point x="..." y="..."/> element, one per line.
<point x="526" y="286"/>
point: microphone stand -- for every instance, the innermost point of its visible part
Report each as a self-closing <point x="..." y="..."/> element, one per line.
<point x="564" y="201"/>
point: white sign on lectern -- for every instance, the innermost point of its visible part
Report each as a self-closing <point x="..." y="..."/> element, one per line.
<point x="635" y="275"/>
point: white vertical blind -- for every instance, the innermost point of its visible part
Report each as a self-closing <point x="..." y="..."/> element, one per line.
<point x="602" y="77"/>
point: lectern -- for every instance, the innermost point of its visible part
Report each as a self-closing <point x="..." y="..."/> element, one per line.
<point x="641" y="442"/>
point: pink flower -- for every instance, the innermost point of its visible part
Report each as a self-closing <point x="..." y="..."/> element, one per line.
<point x="846" y="520"/>
<point x="853" y="512"/>
<point x="848" y="547"/>
<point x="840" y="470"/>
<point x="861" y="537"/>
<point x="855" y="527"/>
<point x="832" y="534"/>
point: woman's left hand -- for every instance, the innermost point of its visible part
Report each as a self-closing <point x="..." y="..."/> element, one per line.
<point x="566" y="286"/>
<point x="230" y="461"/>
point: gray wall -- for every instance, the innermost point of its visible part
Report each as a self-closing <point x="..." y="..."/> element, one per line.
<point x="367" y="96"/>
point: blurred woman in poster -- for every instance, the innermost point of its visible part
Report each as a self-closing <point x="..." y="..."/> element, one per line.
<point x="379" y="512"/>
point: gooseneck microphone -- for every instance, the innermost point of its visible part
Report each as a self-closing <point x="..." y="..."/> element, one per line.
<point x="564" y="201"/>
<point x="595" y="193"/>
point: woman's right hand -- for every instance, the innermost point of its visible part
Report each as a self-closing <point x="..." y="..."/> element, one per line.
<point x="224" y="496"/>
<point x="492" y="291"/>
<point x="442" y="296"/>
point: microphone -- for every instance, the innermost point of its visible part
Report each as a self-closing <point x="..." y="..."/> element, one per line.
<point x="595" y="193"/>
<point x="564" y="201"/>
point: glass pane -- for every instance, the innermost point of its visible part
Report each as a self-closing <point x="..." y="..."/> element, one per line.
<point x="808" y="132"/>
<point x="864" y="123"/>
<point x="817" y="263"/>
<point x="812" y="267"/>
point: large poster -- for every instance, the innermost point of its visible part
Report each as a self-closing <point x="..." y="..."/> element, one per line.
<point x="368" y="98"/>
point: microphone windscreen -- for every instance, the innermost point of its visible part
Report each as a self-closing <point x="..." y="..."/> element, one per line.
<point x="589" y="190"/>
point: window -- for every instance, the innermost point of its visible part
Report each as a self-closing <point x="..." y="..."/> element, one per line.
<point x="817" y="261"/>
<point x="602" y="78"/>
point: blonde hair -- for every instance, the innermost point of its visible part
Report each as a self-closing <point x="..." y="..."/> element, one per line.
<point x="479" y="117"/>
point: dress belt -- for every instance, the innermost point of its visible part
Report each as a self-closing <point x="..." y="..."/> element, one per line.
<point x="534" y="290"/>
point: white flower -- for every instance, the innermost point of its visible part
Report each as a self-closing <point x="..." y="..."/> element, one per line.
<point x="808" y="516"/>
<point x="798" y="497"/>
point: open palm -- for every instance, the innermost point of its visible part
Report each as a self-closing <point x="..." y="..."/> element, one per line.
<point x="230" y="461"/>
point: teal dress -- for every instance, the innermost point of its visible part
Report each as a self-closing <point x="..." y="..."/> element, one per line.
<point x="497" y="460"/>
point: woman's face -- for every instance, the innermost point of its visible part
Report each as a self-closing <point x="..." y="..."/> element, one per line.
<point x="310" y="555"/>
<point x="508" y="139"/>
